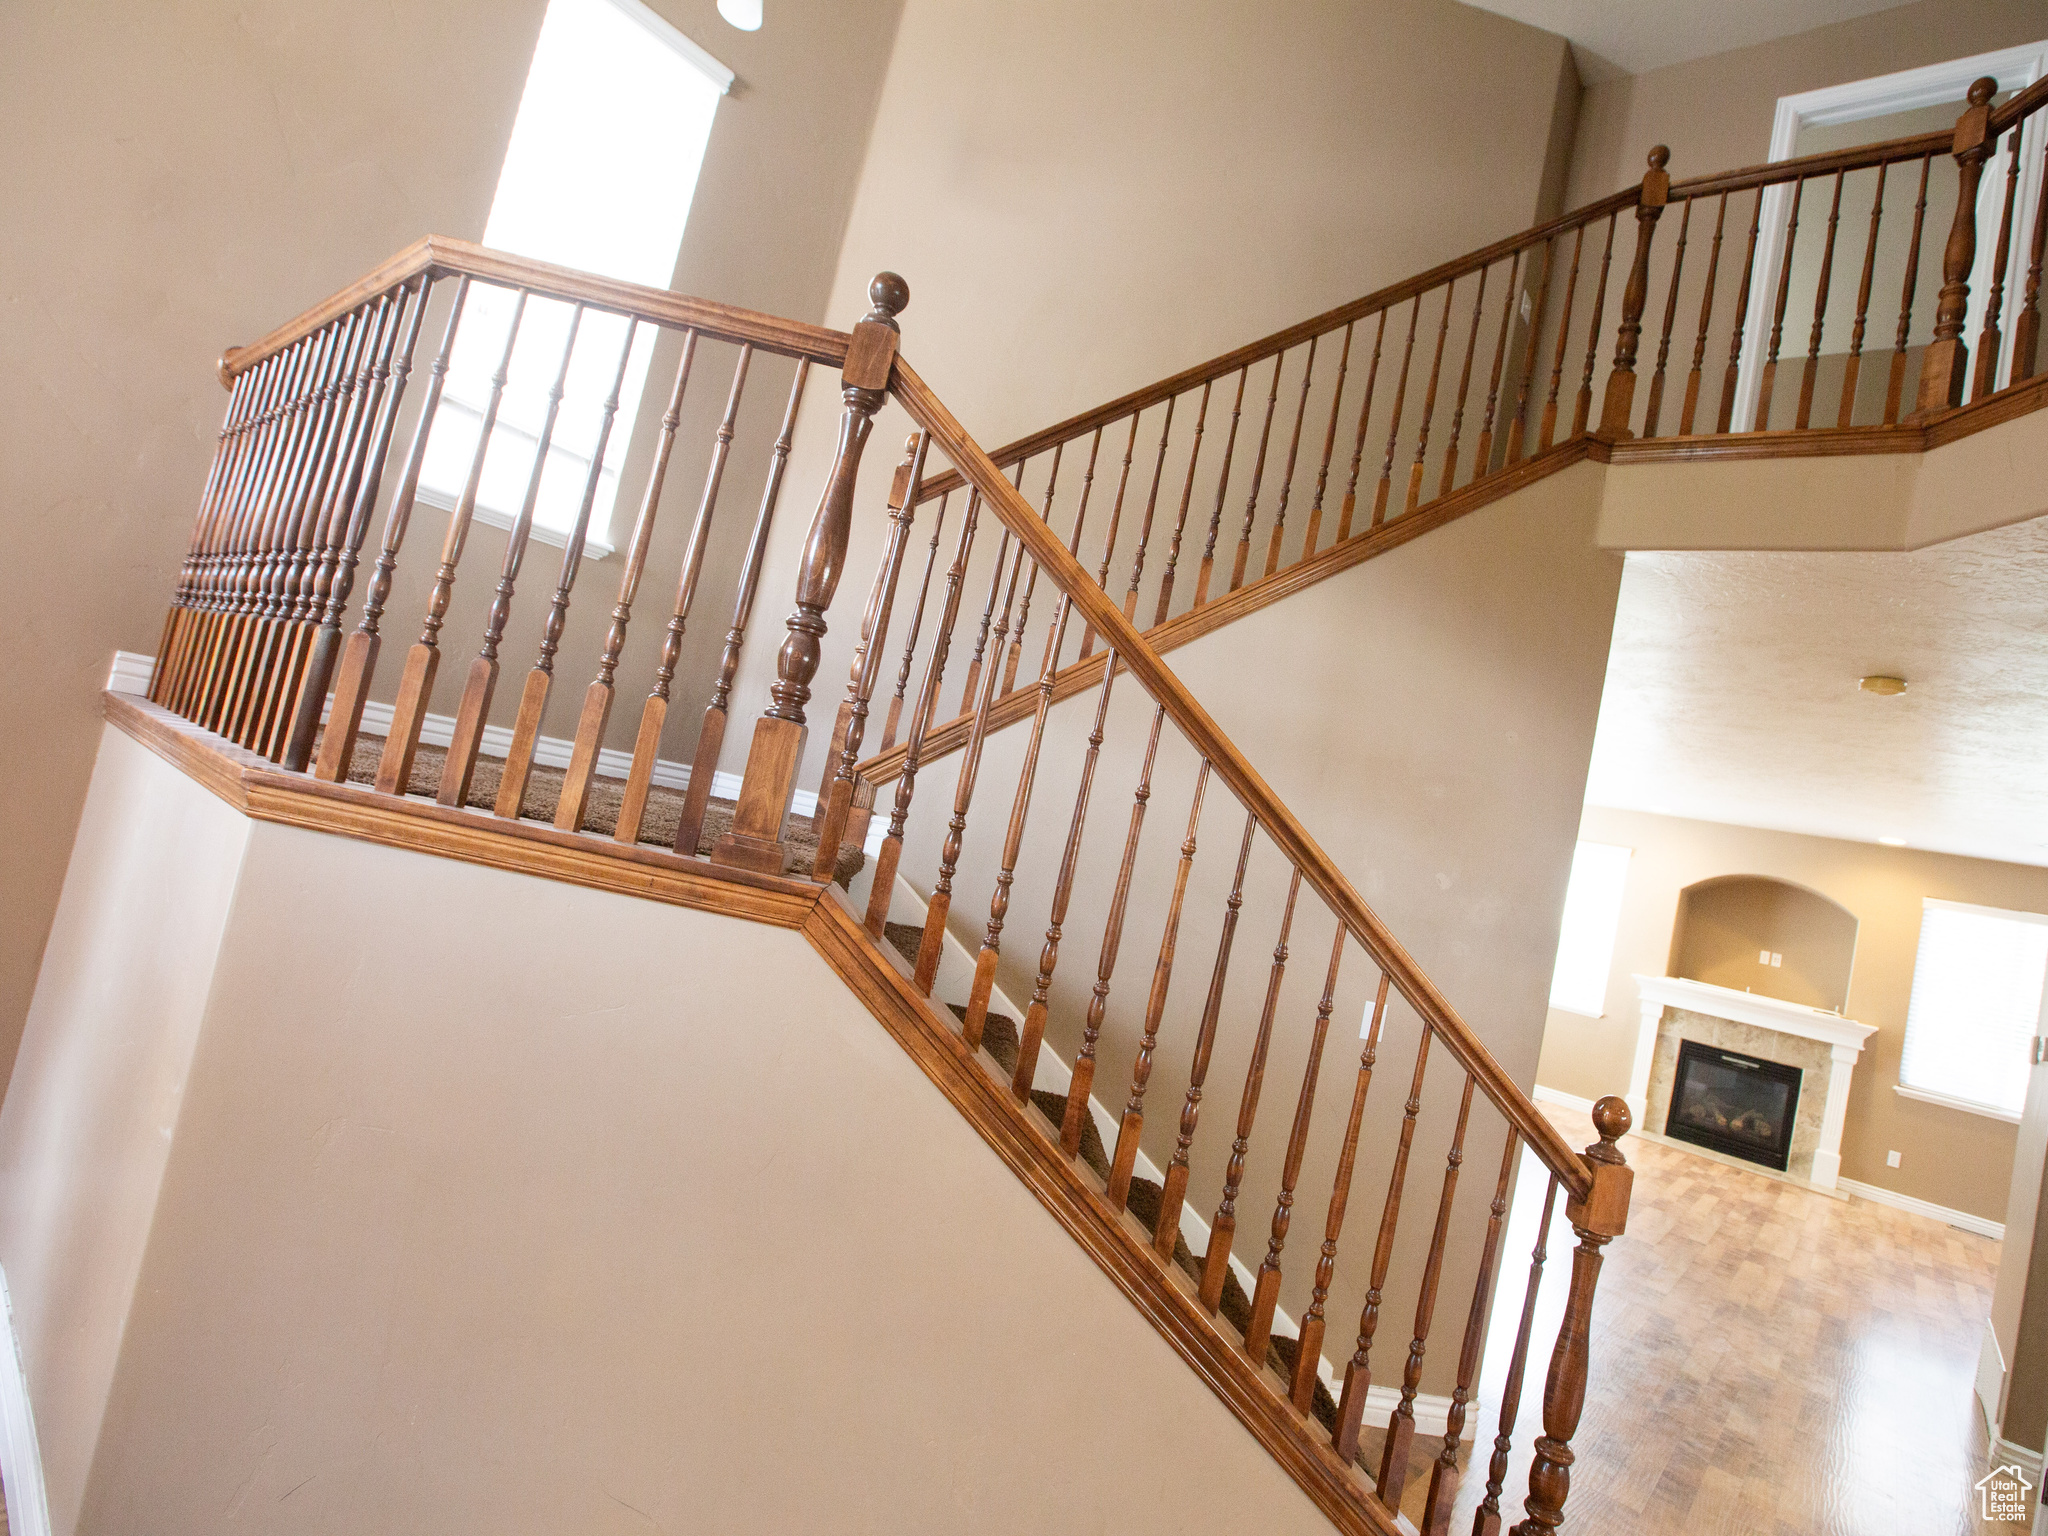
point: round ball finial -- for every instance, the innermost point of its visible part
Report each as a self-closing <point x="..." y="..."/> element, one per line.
<point x="1660" y="157"/>
<point x="1982" y="90"/>
<point x="889" y="294"/>
<point x="1611" y="1118"/>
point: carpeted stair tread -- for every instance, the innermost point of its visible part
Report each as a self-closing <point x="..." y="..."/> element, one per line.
<point x="544" y="792"/>
<point x="1054" y="1107"/>
<point x="904" y="938"/>
<point x="998" y="1036"/>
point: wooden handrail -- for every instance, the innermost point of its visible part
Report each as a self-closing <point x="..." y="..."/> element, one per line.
<point x="1280" y="341"/>
<point x="1859" y="158"/>
<point x="440" y="256"/>
<point x="1231" y="765"/>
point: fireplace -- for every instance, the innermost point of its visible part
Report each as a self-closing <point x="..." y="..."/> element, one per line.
<point x="1742" y="1105"/>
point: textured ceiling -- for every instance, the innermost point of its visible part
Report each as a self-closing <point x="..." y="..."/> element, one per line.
<point x="1627" y="37"/>
<point x="1732" y="693"/>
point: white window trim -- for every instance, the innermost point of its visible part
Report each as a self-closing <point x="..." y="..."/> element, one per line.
<point x="1928" y="86"/>
<point x="664" y="31"/>
<point x="2009" y="914"/>
<point x="1967" y="1106"/>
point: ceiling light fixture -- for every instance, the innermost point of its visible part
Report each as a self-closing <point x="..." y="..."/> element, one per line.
<point x="1884" y="687"/>
<point x="744" y="14"/>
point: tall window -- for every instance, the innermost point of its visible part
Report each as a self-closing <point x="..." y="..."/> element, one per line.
<point x="1585" y="940"/>
<point x="1975" y="1006"/>
<point x="599" y="175"/>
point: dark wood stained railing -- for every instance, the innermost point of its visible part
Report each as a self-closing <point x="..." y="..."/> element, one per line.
<point x="1339" y="427"/>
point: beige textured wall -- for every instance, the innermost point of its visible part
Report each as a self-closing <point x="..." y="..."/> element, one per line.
<point x="1724" y="925"/>
<point x="1950" y="1157"/>
<point x="104" y="1057"/>
<point x="495" y="1204"/>
<point x="1715" y="112"/>
<point x="182" y="177"/>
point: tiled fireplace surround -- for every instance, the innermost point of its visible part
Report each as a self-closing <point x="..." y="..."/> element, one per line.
<point x="1824" y="1046"/>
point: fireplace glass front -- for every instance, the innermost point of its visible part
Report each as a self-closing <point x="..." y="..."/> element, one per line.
<point x="1738" y="1104"/>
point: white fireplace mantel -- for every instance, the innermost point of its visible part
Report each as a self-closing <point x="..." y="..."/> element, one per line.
<point x="1845" y="1037"/>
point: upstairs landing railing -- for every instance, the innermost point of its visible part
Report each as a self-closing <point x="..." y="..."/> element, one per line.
<point x="334" y="427"/>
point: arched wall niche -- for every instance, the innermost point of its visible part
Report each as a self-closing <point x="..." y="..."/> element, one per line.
<point x="1725" y="924"/>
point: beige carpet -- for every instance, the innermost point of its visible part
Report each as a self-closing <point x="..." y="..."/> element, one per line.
<point x="544" y="792"/>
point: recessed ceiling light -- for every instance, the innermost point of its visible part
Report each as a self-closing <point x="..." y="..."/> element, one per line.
<point x="1884" y="686"/>
<point x="744" y="14"/>
<point x="1893" y="842"/>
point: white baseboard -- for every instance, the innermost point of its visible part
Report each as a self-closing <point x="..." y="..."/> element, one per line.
<point x="1898" y="1202"/>
<point x="21" y="1460"/>
<point x="2005" y="1454"/>
<point x="1561" y="1099"/>
<point x="131" y="672"/>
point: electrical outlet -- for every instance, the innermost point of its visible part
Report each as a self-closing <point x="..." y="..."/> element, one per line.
<point x="1892" y="1159"/>
<point x="1777" y="959"/>
<point x="1763" y="957"/>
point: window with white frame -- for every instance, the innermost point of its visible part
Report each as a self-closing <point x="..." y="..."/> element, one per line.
<point x="599" y="175"/>
<point x="1592" y="917"/>
<point x="1975" y="1007"/>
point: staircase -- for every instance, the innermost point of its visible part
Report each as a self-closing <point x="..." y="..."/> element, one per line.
<point x="1062" y="772"/>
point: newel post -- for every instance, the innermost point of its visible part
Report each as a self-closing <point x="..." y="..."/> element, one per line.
<point x="1621" y="383"/>
<point x="1946" y="367"/>
<point x="1598" y="1219"/>
<point x="777" y="750"/>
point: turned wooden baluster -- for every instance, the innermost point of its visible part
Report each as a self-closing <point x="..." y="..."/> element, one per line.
<point x="597" y="698"/>
<point x="996" y="632"/>
<point x="835" y="803"/>
<point x="1401" y="1427"/>
<point x="1372" y="376"/>
<point x="1308" y="372"/>
<point x="1945" y="367"/>
<point x="1450" y="471"/>
<point x="533" y="697"/>
<point x="1486" y="1519"/>
<point x="1151" y="504"/>
<point x="1690" y="409"/>
<point x="1033" y="1031"/>
<point x="654" y="711"/>
<point x="1216" y="1262"/>
<point x="1654" y="406"/>
<point x="327" y="643"/>
<point x="887" y="858"/>
<point x="933" y="943"/>
<point x="1308" y="1356"/>
<point x="1482" y="452"/>
<point x="1112" y="937"/>
<point x="1116" y="512"/>
<point x="1725" y="417"/>
<point x="472" y="711"/>
<point x="1539" y="287"/>
<point x="1445" y="1475"/>
<point x="894" y="718"/>
<point x="1548" y="434"/>
<point x="1770" y="373"/>
<point x="711" y="731"/>
<point x="1990" y="339"/>
<point x="1133" y="1123"/>
<point x="972" y="686"/>
<point x="2026" y="334"/>
<point x="1598" y="1219"/>
<point x="1436" y="365"/>
<point x="1379" y="499"/>
<point x="1251" y="504"/>
<point x="1619" y="404"/>
<point x="1582" y="407"/>
<point x="240" y="394"/>
<point x="359" y="655"/>
<point x="416" y="682"/>
<point x="1846" y="411"/>
<point x="1208" y="565"/>
<point x="1266" y="1294"/>
<point x="1895" y="385"/>
<point x="1052" y="642"/>
<point x="1804" y="415"/>
<point x="1313" y="534"/>
<point x="776" y="752"/>
<point x="1358" y="1373"/>
<point x="1013" y="843"/>
<point x="1180" y="521"/>
<point x="1174" y="1192"/>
